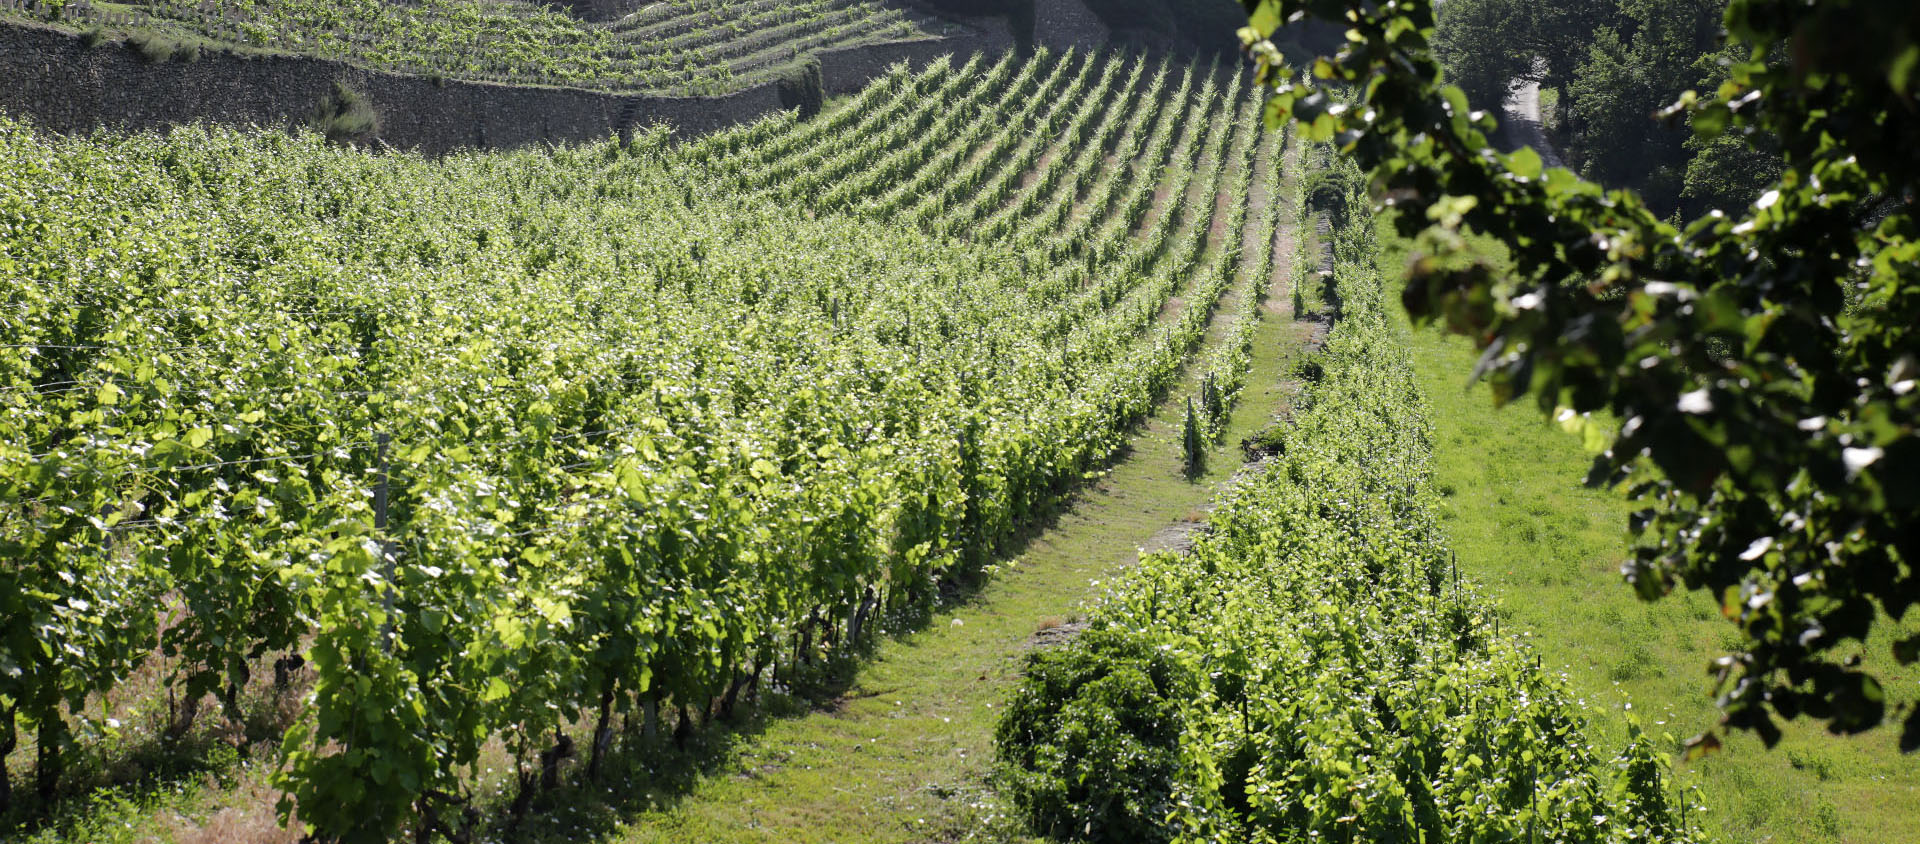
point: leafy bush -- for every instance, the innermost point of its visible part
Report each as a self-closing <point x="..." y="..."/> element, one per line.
<point x="803" y="89"/>
<point x="345" y="116"/>
<point x="1092" y="739"/>
<point x="153" y="47"/>
<point x="1327" y="189"/>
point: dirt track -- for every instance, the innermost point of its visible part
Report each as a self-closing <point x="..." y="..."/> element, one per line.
<point x="1523" y="123"/>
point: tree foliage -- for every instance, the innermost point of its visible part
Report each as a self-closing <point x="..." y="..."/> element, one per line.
<point x="1764" y="365"/>
<point x="1475" y="44"/>
<point x="1618" y="63"/>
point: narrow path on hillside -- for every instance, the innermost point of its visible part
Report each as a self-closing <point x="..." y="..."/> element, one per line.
<point x="904" y="754"/>
<point x="1525" y="126"/>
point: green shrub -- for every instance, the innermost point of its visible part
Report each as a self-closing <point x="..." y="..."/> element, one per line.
<point x="95" y="36"/>
<point x="345" y="116"/>
<point x="804" y="89"/>
<point x="1327" y="189"/>
<point x="153" y="47"/>
<point x="1090" y="745"/>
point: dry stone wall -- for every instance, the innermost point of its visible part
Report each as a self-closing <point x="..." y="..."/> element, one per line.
<point x="1060" y="24"/>
<point x="53" y="79"/>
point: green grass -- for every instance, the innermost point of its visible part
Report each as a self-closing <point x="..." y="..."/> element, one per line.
<point x="1550" y="549"/>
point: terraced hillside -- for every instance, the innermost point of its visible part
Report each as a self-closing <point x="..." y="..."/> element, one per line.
<point x="508" y="445"/>
<point x="675" y="46"/>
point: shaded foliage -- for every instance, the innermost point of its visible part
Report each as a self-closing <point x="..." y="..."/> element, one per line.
<point x="1618" y="62"/>
<point x="345" y="116"/>
<point x="1092" y="739"/>
<point x="803" y="89"/>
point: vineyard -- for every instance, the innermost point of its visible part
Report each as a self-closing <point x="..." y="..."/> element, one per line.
<point x="500" y="450"/>
<point x="679" y="47"/>
<point x="1315" y="669"/>
<point x="1026" y="443"/>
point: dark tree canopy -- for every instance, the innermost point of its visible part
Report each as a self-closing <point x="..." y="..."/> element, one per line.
<point x="1614" y="64"/>
<point x="1764" y="364"/>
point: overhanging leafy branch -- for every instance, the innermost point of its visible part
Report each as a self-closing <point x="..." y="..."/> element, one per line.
<point x="1764" y="366"/>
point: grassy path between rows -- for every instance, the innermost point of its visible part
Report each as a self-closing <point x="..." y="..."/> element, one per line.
<point x="905" y="753"/>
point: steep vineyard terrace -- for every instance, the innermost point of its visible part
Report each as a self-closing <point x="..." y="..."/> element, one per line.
<point x="509" y="442"/>
<point x="679" y="47"/>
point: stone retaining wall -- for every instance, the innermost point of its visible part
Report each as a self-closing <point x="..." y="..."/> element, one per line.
<point x="53" y="79"/>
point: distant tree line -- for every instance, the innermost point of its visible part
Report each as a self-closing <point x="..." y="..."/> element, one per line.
<point x="1614" y="64"/>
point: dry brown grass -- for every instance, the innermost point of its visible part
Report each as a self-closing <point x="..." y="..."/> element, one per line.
<point x="138" y="732"/>
<point x="250" y="819"/>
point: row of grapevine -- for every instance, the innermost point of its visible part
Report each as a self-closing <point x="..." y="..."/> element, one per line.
<point x="1311" y="670"/>
<point x="1087" y="131"/>
<point x="503" y="446"/>
<point x="984" y="156"/>
<point x="695" y="48"/>
<point x="935" y="120"/>
<point x="910" y="105"/>
<point x="938" y="163"/>
<point x="779" y="136"/>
